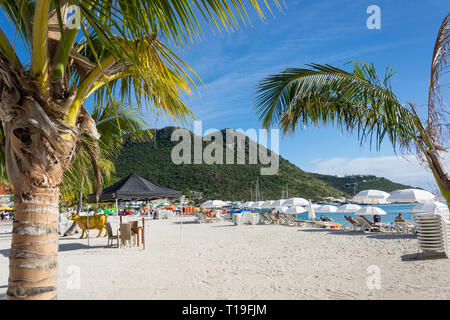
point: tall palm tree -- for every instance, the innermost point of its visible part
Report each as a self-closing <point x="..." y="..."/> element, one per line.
<point x="361" y="101"/>
<point x="120" y="48"/>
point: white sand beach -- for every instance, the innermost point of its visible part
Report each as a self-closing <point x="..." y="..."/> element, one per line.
<point x="222" y="261"/>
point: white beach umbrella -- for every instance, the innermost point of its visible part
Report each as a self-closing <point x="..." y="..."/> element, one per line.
<point x="295" y="210"/>
<point x="311" y="213"/>
<point x="247" y="204"/>
<point x="281" y="209"/>
<point x="371" y="197"/>
<point x="214" y="204"/>
<point x="326" y="209"/>
<point x="370" y="211"/>
<point x="348" y="208"/>
<point x="426" y="207"/>
<point x="267" y="204"/>
<point x="411" y="196"/>
<point x="292" y="202"/>
<point x="279" y="203"/>
<point x="257" y="205"/>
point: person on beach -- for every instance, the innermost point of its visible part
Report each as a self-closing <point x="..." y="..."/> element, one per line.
<point x="399" y="218"/>
<point x="323" y="218"/>
<point x="376" y="219"/>
<point x="277" y="215"/>
<point x="350" y="218"/>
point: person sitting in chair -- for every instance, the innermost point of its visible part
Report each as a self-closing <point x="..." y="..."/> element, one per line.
<point x="399" y="218"/>
<point x="323" y="218"/>
<point x="353" y="221"/>
<point x="377" y="221"/>
<point x="277" y="215"/>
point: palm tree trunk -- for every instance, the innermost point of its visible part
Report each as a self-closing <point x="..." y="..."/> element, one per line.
<point x="38" y="147"/>
<point x="34" y="246"/>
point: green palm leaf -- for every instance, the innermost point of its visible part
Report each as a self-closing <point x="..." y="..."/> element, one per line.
<point x="353" y="101"/>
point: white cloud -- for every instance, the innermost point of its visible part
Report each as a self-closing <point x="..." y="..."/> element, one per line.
<point x="404" y="170"/>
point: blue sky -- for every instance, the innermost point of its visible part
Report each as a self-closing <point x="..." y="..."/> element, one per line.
<point x="332" y="32"/>
<point x="319" y="31"/>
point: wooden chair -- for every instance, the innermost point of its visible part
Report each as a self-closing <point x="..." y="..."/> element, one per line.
<point x="125" y="233"/>
<point x="111" y="235"/>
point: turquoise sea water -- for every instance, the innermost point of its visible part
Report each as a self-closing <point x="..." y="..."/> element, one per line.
<point x="392" y="211"/>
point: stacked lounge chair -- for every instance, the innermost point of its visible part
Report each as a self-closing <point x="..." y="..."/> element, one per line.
<point x="433" y="233"/>
<point x="246" y="217"/>
<point x="238" y="219"/>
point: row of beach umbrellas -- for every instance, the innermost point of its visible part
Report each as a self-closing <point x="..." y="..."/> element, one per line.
<point x="425" y="199"/>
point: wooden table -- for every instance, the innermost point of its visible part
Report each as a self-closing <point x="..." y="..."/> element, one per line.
<point x="141" y="230"/>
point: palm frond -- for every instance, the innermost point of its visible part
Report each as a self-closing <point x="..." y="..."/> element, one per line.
<point x="114" y="121"/>
<point x="358" y="100"/>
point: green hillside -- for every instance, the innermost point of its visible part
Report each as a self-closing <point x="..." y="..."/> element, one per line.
<point x="355" y="183"/>
<point x="152" y="160"/>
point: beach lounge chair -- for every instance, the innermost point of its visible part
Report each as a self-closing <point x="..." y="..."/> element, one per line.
<point x="203" y="218"/>
<point x="405" y="227"/>
<point x="111" y="235"/>
<point x="433" y="233"/>
<point x="356" y="226"/>
<point x="200" y="217"/>
<point x="317" y="223"/>
<point x="291" y="221"/>
<point x="273" y="219"/>
<point x="264" y="219"/>
<point x="366" y="225"/>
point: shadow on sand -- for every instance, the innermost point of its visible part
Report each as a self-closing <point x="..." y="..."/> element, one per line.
<point x="422" y="257"/>
<point x="78" y="246"/>
<point x="5" y="252"/>
<point x="185" y="222"/>
<point x="65" y="247"/>
<point x="373" y="235"/>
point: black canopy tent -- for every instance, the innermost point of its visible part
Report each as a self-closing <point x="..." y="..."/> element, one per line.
<point x="134" y="188"/>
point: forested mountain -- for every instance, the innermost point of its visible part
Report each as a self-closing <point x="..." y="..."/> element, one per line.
<point x="152" y="160"/>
